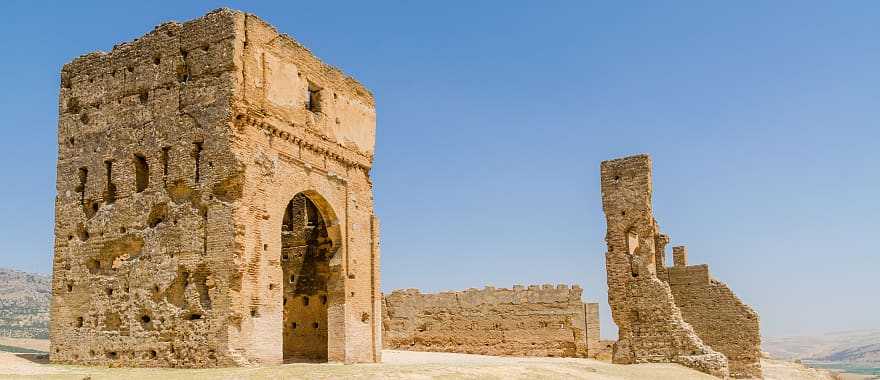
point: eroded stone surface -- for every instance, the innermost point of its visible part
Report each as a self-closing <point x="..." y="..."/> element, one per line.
<point x="543" y="320"/>
<point x="179" y="155"/>
<point x="667" y="314"/>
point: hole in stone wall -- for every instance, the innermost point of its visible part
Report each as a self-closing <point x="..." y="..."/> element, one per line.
<point x="109" y="291"/>
<point x="194" y="317"/>
<point x="323" y="300"/>
<point x="141" y="173"/>
<point x="314" y="100"/>
<point x="73" y="105"/>
<point x="365" y="317"/>
<point x="284" y="257"/>
<point x="157" y="60"/>
<point x="81" y="188"/>
<point x="145" y="319"/>
<point x="110" y="192"/>
<point x="293" y="325"/>
<point x="153" y="354"/>
<point x="165" y="151"/>
<point x="197" y="155"/>
<point x="122" y="230"/>
<point x="90" y="208"/>
<point x="176" y="292"/>
<point x="265" y="247"/>
<point x="93" y="265"/>
<point x="78" y="322"/>
<point x="292" y="279"/>
<point x="143" y="96"/>
<point x="254" y="312"/>
<point x="81" y="232"/>
<point x="305" y="301"/>
<point x="285" y="301"/>
<point x="632" y="242"/>
<point x="69" y="287"/>
<point x="315" y="324"/>
<point x="182" y="69"/>
<point x="112" y="355"/>
<point x="84" y="118"/>
<point x="158" y="214"/>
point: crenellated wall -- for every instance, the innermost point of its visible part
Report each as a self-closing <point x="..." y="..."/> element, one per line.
<point x="536" y="320"/>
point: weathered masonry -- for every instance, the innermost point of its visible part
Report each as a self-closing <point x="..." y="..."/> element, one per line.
<point x="535" y="321"/>
<point x="667" y="314"/>
<point x="214" y="205"/>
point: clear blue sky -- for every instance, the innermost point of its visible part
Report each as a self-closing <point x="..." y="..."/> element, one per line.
<point x="761" y="117"/>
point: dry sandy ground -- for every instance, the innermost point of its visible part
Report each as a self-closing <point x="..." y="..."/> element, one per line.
<point x="397" y="365"/>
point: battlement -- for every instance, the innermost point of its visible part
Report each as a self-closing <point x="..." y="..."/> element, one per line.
<point x="545" y="293"/>
<point x="689" y="275"/>
<point x="534" y="320"/>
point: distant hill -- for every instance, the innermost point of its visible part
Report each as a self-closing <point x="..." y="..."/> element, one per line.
<point x="24" y="304"/>
<point x="860" y="346"/>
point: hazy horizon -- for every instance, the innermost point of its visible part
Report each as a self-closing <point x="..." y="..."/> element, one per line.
<point x="761" y="119"/>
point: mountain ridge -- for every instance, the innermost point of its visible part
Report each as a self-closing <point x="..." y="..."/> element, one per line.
<point x="24" y="304"/>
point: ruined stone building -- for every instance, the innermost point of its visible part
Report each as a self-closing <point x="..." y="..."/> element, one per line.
<point x="667" y="314"/>
<point x="535" y="321"/>
<point x="214" y="204"/>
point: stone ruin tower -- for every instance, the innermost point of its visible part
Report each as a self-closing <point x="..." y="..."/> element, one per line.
<point x="214" y="204"/>
<point x="668" y="314"/>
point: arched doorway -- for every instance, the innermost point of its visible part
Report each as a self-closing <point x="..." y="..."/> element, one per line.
<point x="306" y="249"/>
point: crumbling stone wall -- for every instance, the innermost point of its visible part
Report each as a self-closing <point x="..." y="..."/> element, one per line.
<point x="535" y="321"/>
<point x="667" y="314"/>
<point x="179" y="155"/>
<point x="717" y="315"/>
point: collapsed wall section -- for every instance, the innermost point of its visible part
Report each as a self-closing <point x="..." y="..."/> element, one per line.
<point x="535" y="321"/>
<point x="678" y="313"/>
<point x="650" y="326"/>
<point x="719" y="317"/>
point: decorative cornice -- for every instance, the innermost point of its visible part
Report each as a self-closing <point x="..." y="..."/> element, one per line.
<point x="305" y="138"/>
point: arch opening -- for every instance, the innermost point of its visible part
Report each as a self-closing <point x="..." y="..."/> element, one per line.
<point x="306" y="250"/>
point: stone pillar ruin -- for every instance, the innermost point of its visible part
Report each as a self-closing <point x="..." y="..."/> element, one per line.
<point x="214" y="203"/>
<point x="679" y="256"/>
<point x="667" y="314"/>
